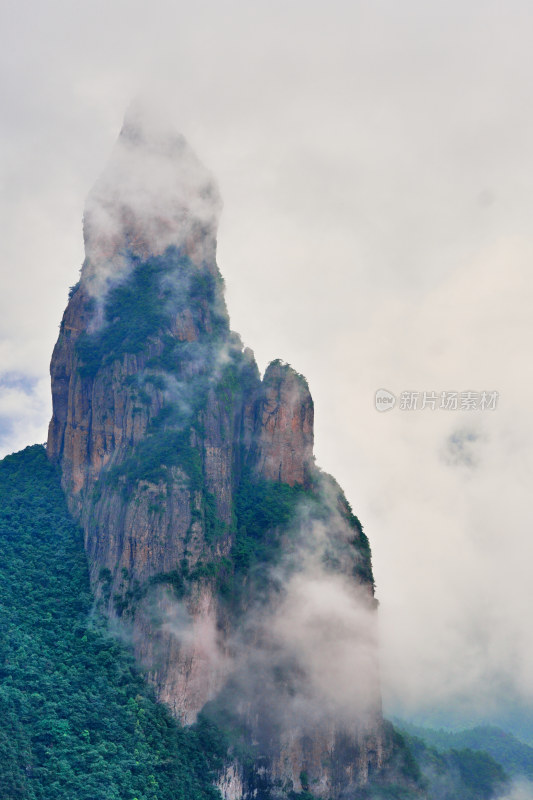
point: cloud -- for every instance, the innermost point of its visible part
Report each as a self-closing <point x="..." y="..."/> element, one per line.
<point x="462" y="519"/>
<point x="461" y="447"/>
<point x="22" y="403"/>
<point x="153" y="194"/>
<point x="520" y="790"/>
<point x="304" y="652"/>
<point x="328" y="626"/>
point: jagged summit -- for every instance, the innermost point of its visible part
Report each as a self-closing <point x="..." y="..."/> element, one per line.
<point x="154" y="193"/>
<point x="211" y="535"/>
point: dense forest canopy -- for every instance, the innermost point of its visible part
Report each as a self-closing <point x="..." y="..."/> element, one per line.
<point x="77" y="722"/>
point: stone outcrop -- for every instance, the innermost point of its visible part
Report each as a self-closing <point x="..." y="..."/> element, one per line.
<point x="194" y="480"/>
<point x="284" y="427"/>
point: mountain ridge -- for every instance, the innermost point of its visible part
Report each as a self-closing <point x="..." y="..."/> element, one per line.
<point x="515" y="756"/>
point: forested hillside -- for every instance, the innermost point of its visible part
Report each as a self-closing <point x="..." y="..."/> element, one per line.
<point x="76" y="720"/>
<point x="515" y="756"/>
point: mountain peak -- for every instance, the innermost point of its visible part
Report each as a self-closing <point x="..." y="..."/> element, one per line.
<point x="153" y="194"/>
<point x="211" y="534"/>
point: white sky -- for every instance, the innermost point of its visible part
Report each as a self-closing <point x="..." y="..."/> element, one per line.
<point x="375" y="162"/>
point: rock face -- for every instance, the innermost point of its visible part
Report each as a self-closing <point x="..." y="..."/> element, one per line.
<point x="236" y="566"/>
<point x="284" y="427"/>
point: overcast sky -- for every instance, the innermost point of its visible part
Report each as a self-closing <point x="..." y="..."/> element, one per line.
<point x="375" y="162"/>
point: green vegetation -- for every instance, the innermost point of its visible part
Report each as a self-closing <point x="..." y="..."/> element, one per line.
<point x="142" y="306"/>
<point x="77" y="722"/>
<point x="214" y="527"/>
<point x="458" y="774"/>
<point x="418" y="772"/>
<point x="263" y="510"/>
<point x="134" y="311"/>
<point x="514" y="756"/>
<point x="278" y="362"/>
<point x="363" y="568"/>
<point x="153" y="457"/>
<point x="260" y="508"/>
<point x="481" y="774"/>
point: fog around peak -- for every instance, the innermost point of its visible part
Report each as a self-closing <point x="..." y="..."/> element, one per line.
<point x="154" y="193"/>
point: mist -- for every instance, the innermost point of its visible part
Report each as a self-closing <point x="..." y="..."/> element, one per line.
<point x="520" y="790"/>
<point x="374" y="164"/>
<point x="153" y="194"/>
<point x="303" y="652"/>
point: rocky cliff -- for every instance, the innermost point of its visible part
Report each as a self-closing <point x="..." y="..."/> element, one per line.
<point x="234" y="564"/>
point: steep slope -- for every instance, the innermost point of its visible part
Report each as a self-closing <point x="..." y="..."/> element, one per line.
<point x="235" y="565"/>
